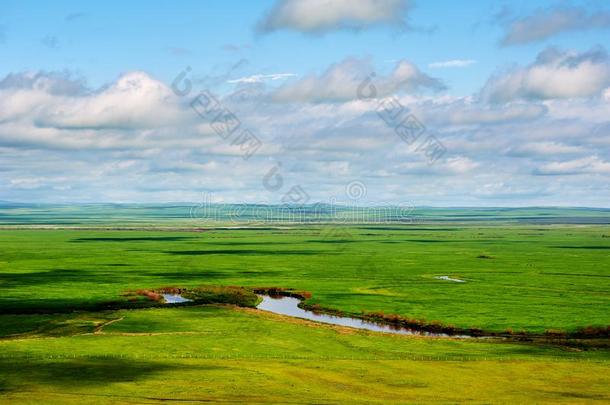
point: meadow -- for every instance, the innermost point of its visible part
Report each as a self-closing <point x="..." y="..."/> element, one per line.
<point x="518" y="277"/>
<point x="64" y="339"/>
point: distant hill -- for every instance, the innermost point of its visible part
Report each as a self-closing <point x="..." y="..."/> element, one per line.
<point x="11" y="204"/>
<point x="197" y="215"/>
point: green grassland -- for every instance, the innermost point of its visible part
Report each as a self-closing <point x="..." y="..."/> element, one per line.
<point x="520" y="277"/>
<point x="57" y="346"/>
<point x="220" y="354"/>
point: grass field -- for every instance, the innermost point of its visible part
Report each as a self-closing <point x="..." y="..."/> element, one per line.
<point x="223" y="354"/>
<point x="529" y="278"/>
<point x="55" y="344"/>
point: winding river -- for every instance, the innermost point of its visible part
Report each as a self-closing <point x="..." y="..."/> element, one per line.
<point x="289" y="306"/>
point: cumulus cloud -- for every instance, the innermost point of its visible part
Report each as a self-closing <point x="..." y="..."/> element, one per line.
<point x="547" y="23"/>
<point x="314" y="16"/>
<point x="56" y="111"/>
<point x="135" y="100"/>
<point x="132" y="140"/>
<point x="554" y="75"/>
<point x="340" y="82"/>
<point x="24" y="94"/>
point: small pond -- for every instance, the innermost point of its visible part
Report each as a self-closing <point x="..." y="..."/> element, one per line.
<point x="447" y="278"/>
<point x="174" y="299"/>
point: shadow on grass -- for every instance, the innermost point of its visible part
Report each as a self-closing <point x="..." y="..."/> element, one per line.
<point x="247" y="243"/>
<point x="579" y="395"/>
<point x="576" y="274"/>
<point x="19" y="280"/>
<point x="245" y="252"/>
<point x="584" y="247"/>
<point x="432" y="241"/>
<point x="18" y="373"/>
<point x="203" y="276"/>
<point x="451" y="240"/>
<point x="335" y="241"/>
<point x="54" y="306"/>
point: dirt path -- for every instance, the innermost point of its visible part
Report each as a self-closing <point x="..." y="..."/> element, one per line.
<point x="98" y="329"/>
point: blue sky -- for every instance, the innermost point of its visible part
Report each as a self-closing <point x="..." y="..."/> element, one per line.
<point x="101" y="40"/>
<point x="516" y="92"/>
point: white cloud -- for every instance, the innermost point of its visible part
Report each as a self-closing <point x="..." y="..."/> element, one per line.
<point x="587" y="165"/>
<point x="452" y="166"/>
<point x="545" y="148"/>
<point x="510" y="190"/>
<point x="135" y="101"/>
<point x="460" y="165"/>
<point x="554" y="74"/>
<point x="341" y="82"/>
<point x="27" y="182"/>
<point x="469" y="113"/>
<point x="56" y="83"/>
<point x="261" y="78"/>
<point x="140" y="154"/>
<point x="547" y="23"/>
<point x="453" y="63"/>
<point x="312" y="16"/>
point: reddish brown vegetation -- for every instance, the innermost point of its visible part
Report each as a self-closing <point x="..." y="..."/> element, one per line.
<point x="409" y="323"/>
<point x="132" y="296"/>
<point x="151" y="295"/>
<point x="475" y="332"/>
<point x="170" y="290"/>
<point x="592" y="332"/>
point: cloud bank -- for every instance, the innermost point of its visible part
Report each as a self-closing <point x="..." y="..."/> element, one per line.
<point x="134" y="140"/>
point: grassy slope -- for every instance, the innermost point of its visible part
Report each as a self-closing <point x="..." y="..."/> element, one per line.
<point x="223" y="354"/>
<point x="538" y="277"/>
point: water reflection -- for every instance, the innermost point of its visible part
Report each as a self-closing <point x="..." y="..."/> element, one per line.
<point x="289" y="306"/>
<point x="174" y="299"/>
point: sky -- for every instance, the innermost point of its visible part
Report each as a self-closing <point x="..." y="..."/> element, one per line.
<point x="367" y="102"/>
